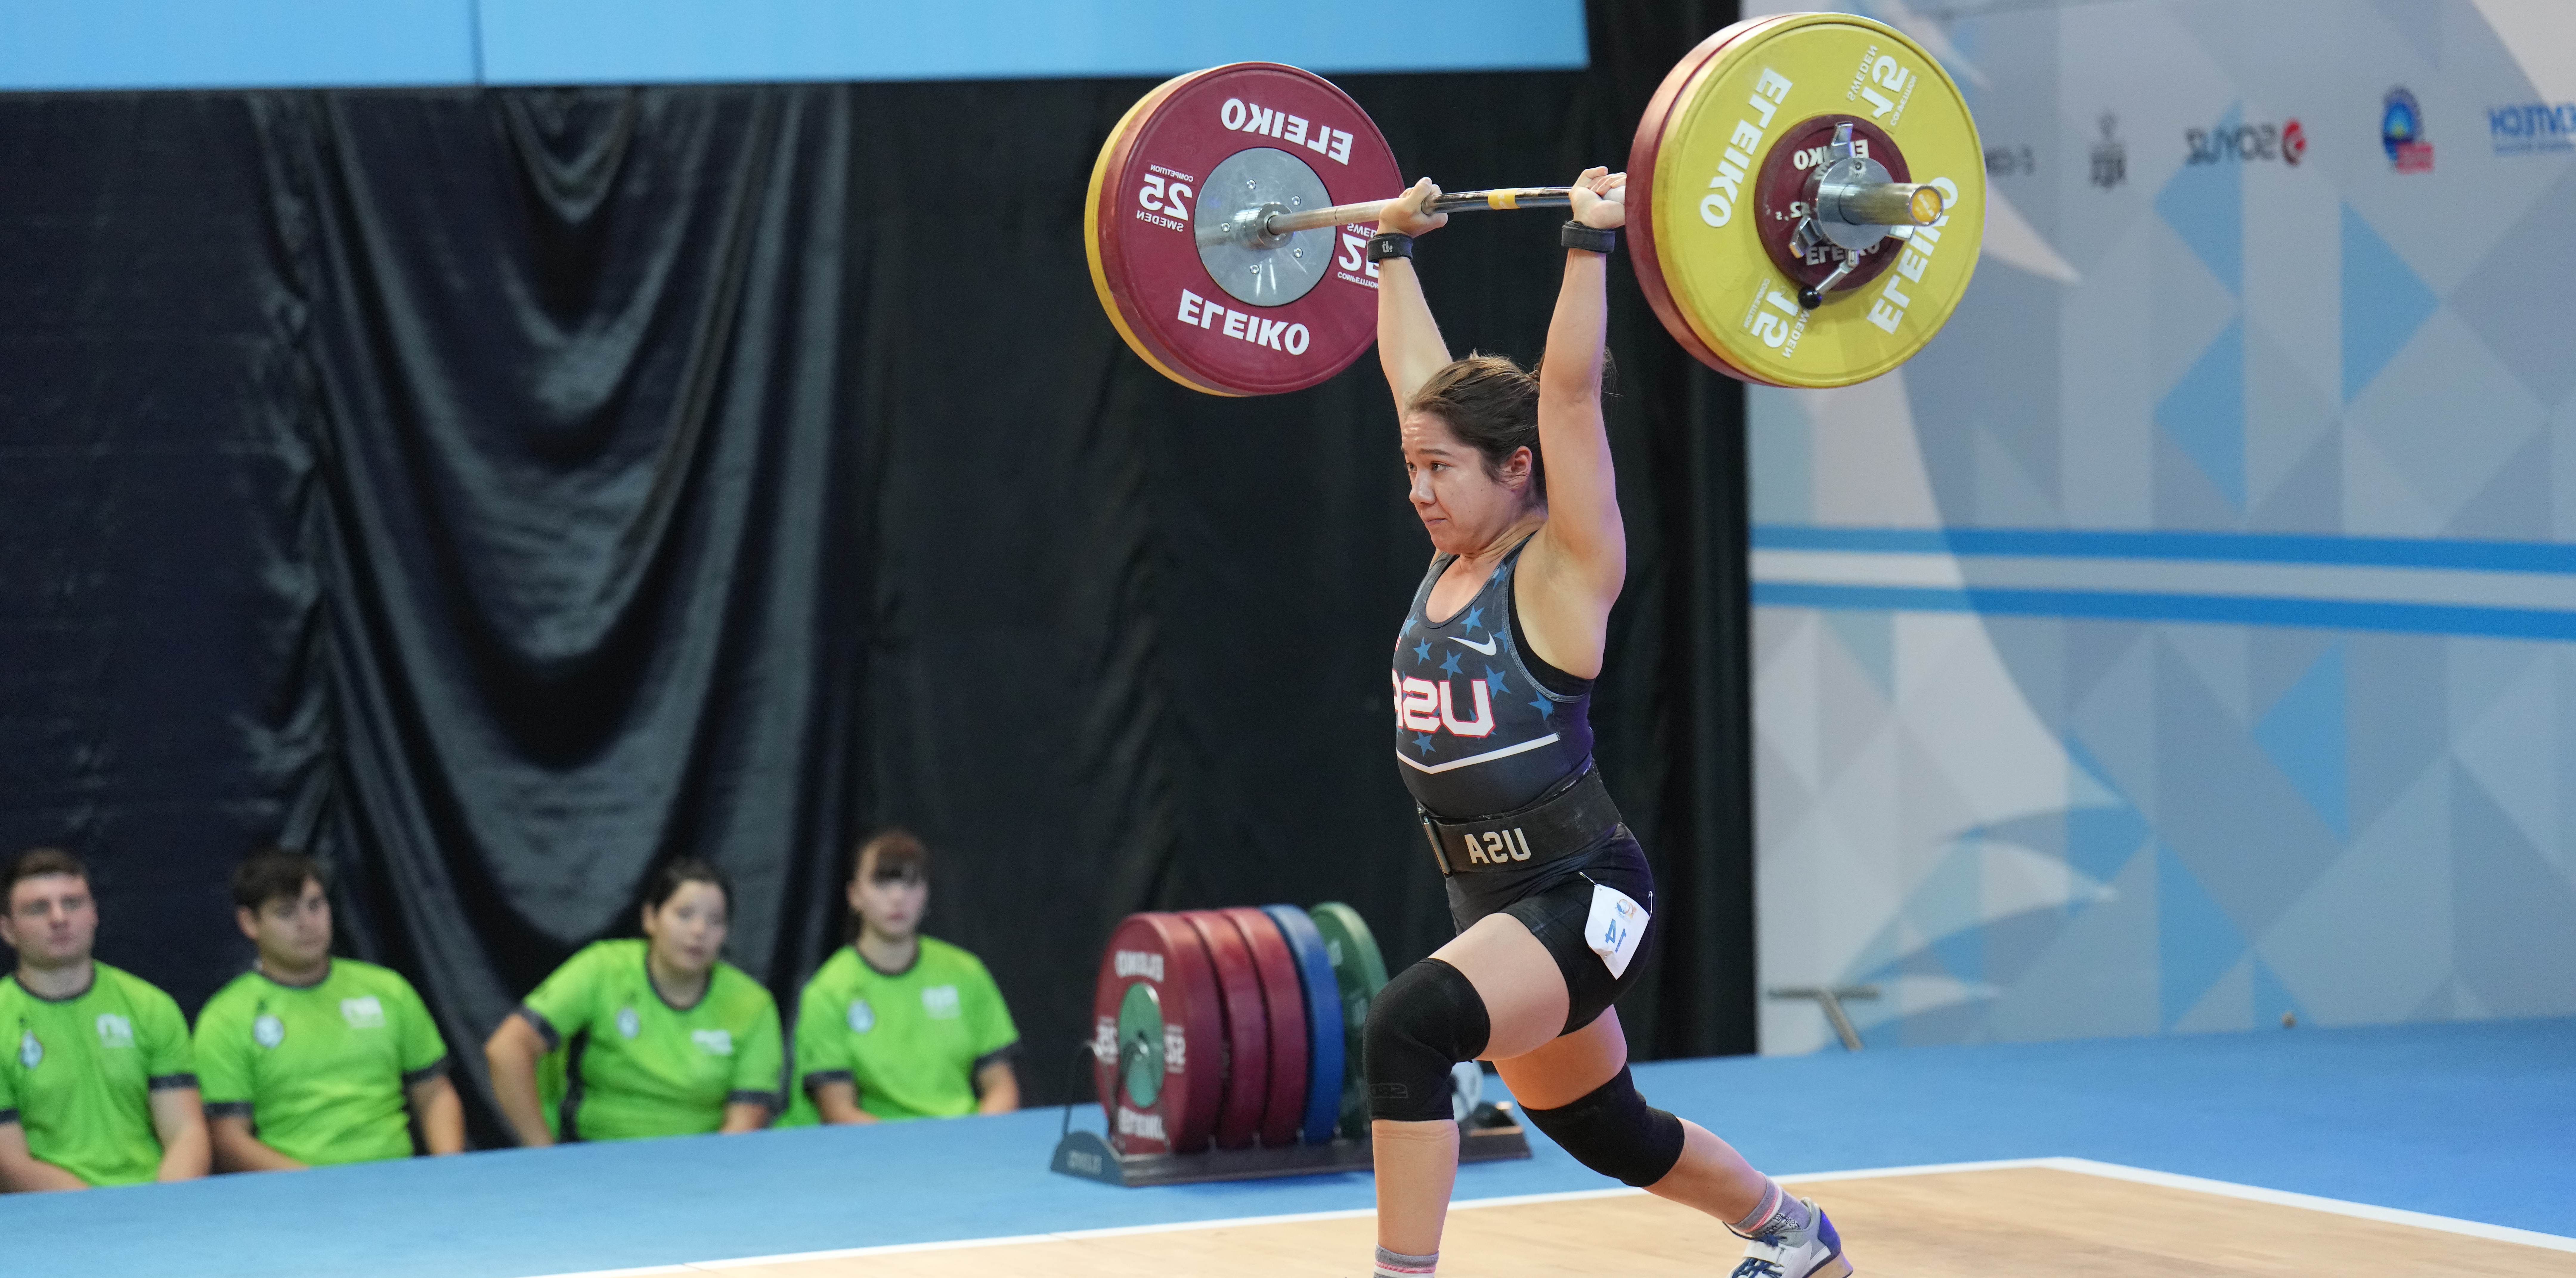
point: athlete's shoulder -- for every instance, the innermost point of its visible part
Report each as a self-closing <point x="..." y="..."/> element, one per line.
<point x="129" y="987"/>
<point x="840" y="971"/>
<point x="735" y="985"/>
<point x="943" y="955"/>
<point x="373" y="976"/>
<point x="232" y="997"/>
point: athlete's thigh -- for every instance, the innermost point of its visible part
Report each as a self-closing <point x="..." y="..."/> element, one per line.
<point x="1568" y="1068"/>
<point x="1524" y="995"/>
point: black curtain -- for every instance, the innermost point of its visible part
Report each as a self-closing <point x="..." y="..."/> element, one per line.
<point x="505" y="492"/>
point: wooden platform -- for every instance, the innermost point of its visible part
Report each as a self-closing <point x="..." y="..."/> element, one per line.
<point x="1974" y="1223"/>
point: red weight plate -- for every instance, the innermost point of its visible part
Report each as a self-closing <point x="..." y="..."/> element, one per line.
<point x="1182" y="1066"/>
<point x="1111" y="163"/>
<point x="1641" y="188"/>
<point x="1285" y="1113"/>
<point x="1147" y="261"/>
<point x="1247" y="1030"/>
<point x="1782" y="193"/>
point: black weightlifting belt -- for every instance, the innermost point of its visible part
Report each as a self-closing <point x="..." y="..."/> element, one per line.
<point x="1572" y="816"/>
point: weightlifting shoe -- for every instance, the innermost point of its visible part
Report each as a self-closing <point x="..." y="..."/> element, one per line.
<point x="1813" y="1252"/>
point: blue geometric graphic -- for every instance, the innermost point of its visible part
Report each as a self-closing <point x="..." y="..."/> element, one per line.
<point x="2196" y="941"/>
<point x="2384" y="302"/>
<point x="2272" y="997"/>
<point x="2205" y="205"/>
<point x="2193" y="643"/>
<point x="2304" y="734"/>
<point x="2205" y="412"/>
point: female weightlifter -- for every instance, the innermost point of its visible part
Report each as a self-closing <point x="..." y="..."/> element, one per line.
<point x="1493" y="677"/>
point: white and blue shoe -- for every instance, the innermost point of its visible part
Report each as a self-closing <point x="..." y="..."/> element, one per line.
<point x="1813" y="1252"/>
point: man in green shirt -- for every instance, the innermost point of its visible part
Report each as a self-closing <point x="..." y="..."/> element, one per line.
<point x="308" y="1059"/>
<point x="897" y="1024"/>
<point x="98" y="1087"/>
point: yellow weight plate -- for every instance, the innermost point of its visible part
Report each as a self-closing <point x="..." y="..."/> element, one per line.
<point x="1706" y="221"/>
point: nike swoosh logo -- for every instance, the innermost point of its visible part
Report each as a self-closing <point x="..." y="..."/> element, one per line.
<point x="1487" y="647"/>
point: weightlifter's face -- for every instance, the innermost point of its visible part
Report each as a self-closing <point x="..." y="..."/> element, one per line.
<point x="1462" y="507"/>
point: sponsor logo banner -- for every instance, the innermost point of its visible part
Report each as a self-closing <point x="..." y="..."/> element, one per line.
<point x="2246" y="143"/>
<point x="2532" y="128"/>
<point x="2401" y="132"/>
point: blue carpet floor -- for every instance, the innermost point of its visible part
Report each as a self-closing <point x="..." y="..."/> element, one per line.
<point x="2470" y="1120"/>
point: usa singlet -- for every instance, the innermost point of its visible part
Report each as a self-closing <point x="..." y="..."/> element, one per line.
<point x="1476" y="734"/>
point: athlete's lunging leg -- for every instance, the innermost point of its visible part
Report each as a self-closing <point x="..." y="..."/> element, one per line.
<point x="1511" y="475"/>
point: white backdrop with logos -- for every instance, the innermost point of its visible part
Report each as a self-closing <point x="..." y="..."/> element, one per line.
<point x="2186" y="641"/>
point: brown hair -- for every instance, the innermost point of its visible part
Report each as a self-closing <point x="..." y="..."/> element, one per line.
<point x="675" y="875"/>
<point x="35" y="863"/>
<point x="899" y="855"/>
<point x="270" y="873"/>
<point x="1491" y="405"/>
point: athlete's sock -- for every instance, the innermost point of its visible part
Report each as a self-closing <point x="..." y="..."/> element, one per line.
<point x="1395" y="1264"/>
<point x="1779" y="1212"/>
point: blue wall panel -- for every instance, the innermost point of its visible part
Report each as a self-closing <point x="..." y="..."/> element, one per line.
<point x="174" y="44"/>
<point x="2187" y="639"/>
<point x="163" y="44"/>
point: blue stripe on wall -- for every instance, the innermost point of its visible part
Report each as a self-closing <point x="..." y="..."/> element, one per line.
<point x="2312" y="614"/>
<point x="2387" y="552"/>
<point x="167" y="44"/>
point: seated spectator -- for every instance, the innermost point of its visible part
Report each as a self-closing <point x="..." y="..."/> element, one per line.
<point x="308" y="1059"/>
<point x="663" y="1037"/>
<point x="897" y="1024"/>
<point x="98" y="1088"/>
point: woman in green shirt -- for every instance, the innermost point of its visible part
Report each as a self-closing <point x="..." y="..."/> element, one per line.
<point x="662" y="1038"/>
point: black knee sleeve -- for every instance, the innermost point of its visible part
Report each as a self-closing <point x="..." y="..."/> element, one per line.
<point x="1612" y="1131"/>
<point x="1427" y="1019"/>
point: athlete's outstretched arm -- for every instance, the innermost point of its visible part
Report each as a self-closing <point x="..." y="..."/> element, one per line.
<point x="1409" y="346"/>
<point x="1589" y="544"/>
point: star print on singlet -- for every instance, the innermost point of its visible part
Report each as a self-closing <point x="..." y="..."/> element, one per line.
<point x="1468" y="742"/>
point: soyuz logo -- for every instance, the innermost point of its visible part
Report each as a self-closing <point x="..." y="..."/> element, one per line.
<point x="2401" y="132"/>
<point x="2246" y="143"/>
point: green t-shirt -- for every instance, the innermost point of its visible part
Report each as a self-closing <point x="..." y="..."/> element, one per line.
<point x="83" y="1069"/>
<point x="641" y="1067"/>
<point x="911" y="1041"/>
<point x="321" y="1069"/>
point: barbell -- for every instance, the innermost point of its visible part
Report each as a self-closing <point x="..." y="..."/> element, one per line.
<point x="1806" y="193"/>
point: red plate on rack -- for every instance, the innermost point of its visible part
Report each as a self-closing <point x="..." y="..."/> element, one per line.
<point x="1285" y="997"/>
<point x="1247" y="1030"/>
<point x="1157" y="1037"/>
